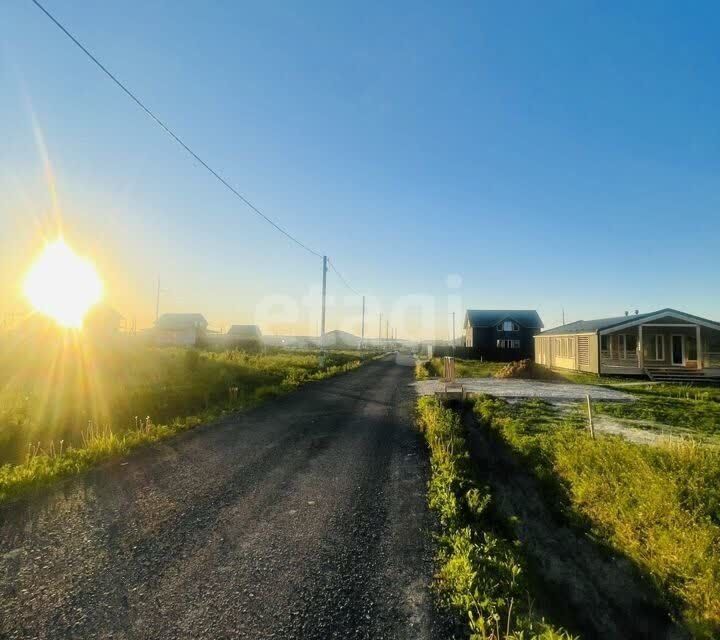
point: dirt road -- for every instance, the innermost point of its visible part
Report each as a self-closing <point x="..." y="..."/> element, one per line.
<point x="302" y="519"/>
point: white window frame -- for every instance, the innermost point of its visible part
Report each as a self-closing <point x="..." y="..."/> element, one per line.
<point x="659" y="342"/>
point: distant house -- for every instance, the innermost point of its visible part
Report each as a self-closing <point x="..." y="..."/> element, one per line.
<point x="665" y="345"/>
<point x="247" y="337"/>
<point x="180" y="329"/>
<point x="340" y="339"/>
<point x="501" y="335"/>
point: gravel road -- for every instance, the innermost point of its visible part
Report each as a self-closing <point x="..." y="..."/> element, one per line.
<point x="304" y="518"/>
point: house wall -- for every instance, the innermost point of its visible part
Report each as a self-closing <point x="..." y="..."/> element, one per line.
<point x="484" y="343"/>
<point x="578" y="352"/>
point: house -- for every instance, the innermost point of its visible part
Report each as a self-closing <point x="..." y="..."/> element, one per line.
<point x="180" y="329"/>
<point x="664" y="345"/>
<point x="247" y="337"/>
<point x="501" y="335"/>
<point x="340" y="339"/>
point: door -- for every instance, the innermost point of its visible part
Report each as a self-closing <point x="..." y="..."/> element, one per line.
<point x="678" y="350"/>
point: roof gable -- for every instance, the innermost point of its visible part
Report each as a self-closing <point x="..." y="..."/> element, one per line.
<point x="528" y="318"/>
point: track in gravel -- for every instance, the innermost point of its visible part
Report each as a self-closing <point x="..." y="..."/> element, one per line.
<point x="304" y="518"/>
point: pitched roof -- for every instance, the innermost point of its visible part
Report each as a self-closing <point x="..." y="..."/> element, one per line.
<point x="178" y="321"/>
<point x="528" y="318"/>
<point x="593" y="326"/>
<point x="245" y="331"/>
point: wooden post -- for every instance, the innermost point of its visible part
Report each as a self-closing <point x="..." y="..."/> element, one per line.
<point x="699" y="351"/>
<point x="641" y="353"/>
<point x="590" y="416"/>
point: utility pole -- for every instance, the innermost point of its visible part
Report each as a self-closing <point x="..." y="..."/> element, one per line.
<point x="362" y="326"/>
<point x="453" y="315"/>
<point x="322" y="314"/>
<point x="563" y="314"/>
<point x="387" y="330"/>
<point x="380" y="332"/>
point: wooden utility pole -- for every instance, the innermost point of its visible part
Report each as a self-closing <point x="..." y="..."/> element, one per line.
<point x="380" y="332"/>
<point x="453" y="333"/>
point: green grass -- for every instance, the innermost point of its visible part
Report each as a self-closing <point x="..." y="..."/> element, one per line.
<point x="463" y="368"/>
<point x="480" y="574"/>
<point x="700" y="416"/>
<point x="659" y="505"/>
<point x="99" y="404"/>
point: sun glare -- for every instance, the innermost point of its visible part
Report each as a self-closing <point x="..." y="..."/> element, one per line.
<point x="62" y="285"/>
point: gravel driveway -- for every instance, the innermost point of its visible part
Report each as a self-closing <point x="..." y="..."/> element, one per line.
<point x="512" y="388"/>
<point x="303" y="518"/>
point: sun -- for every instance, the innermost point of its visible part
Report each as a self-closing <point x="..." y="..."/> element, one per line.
<point x="63" y="285"/>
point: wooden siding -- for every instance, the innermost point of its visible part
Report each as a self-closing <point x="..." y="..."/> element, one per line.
<point x="574" y="352"/>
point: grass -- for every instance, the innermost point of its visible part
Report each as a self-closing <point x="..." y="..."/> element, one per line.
<point x="433" y="368"/>
<point x="659" y="506"/>
<point x="101" y="402"/>
<point x="480" y="574"/>
<point x="701" y="416"/>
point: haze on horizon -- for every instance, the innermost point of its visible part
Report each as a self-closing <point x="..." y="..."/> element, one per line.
<point x="552" y="157"/>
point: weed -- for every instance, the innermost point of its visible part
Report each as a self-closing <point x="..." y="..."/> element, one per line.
<point x="479" y="574"/>
<point x="178" y="388"/>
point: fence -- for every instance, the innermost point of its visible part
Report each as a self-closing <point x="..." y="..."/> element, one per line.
<point x="464" y="353"/>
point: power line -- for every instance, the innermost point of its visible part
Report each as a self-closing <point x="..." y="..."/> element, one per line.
<point x="173" y="135"/>
<point x="345" y="282"/>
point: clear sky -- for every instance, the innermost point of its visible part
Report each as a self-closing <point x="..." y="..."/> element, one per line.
<point x="538" y="155"/>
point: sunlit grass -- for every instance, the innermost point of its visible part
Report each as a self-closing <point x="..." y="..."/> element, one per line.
<point x="69" y="404"/>
<point x="659" y="505"/>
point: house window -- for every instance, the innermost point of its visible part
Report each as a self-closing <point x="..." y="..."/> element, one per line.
<point x="630" y="345"/>
<point x="508" y="344"/>
<point x="659" y="347"/>
<point x="508" y="325"/>
<point x="605" y="346"/>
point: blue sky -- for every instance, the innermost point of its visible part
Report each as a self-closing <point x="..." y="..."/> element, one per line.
<point x="556" y="154"/>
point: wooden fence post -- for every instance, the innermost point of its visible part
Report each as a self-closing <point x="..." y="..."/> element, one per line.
<point x="590" y="416"/>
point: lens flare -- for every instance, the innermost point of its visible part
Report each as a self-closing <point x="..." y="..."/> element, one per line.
<point x="62" y="285"/>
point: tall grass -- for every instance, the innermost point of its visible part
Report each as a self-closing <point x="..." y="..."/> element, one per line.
<point x="480" y="575"/>
<point x="87" y="410"/>
<point x="660" y="506"/>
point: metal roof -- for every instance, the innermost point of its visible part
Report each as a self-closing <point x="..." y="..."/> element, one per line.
<point x="593" y="326"/>
<point x="528" y="318"/>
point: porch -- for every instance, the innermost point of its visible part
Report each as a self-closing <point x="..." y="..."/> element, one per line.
<point x="665" y="349"/>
